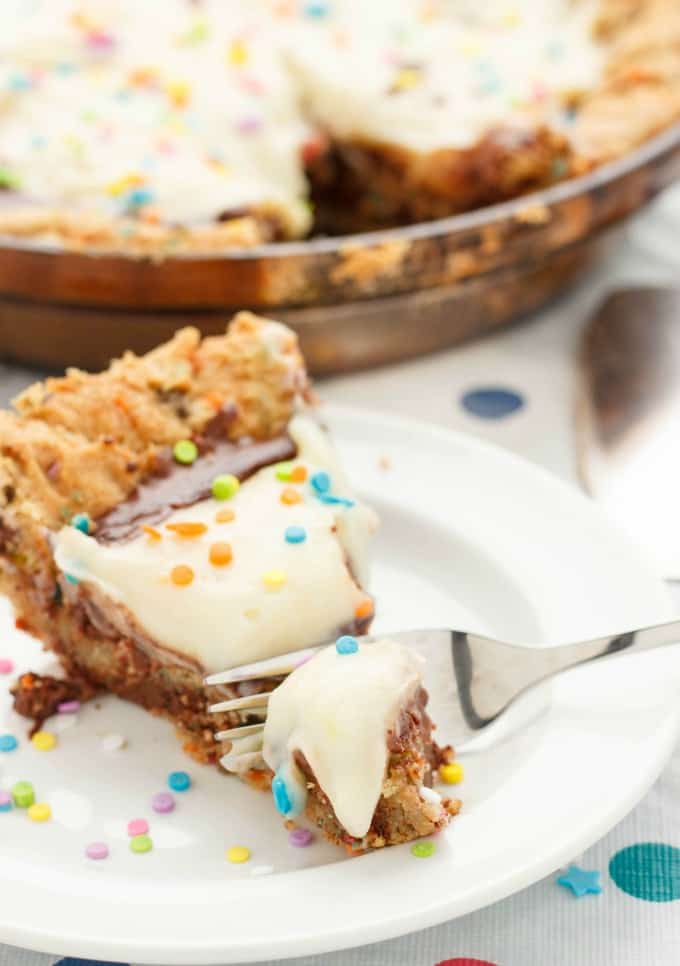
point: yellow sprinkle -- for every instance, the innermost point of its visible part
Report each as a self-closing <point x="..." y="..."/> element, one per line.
<point x="238" y="854"/>
<point x="44" y="740"/>
<point x="40" y="812"/>
<point x="178" y="92"/>
<point x="237" y="55"/>
<point x="452" y="774"/>
<point x="274" y="579"/>
<point x="121" y="185"/>
<point x="181" y="575"/>
<point x="407" y="78"/>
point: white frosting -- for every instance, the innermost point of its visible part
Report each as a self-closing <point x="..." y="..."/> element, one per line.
<point x="77" y="116"/>
<point x="337" y="710"/>
<point x="228" y="616"/>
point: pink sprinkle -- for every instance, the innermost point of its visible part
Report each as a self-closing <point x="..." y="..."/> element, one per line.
<point x="137" y="826"/>
<point x="99" y="40"/>
<point x="5" y="800"/>
<point x="300" y="837"/>
<point x="248" y="125"/>
<point x="162" y="802"/>
<point x="97" y="850"/>
<point x="68" y="707"/>
<point x="6" y="666"/>
<point x="252" y="85"/>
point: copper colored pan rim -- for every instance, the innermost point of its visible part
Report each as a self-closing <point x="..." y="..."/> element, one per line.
<point x="556" y="194"/>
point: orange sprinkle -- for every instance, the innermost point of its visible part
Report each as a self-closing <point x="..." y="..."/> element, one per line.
<point x="289" y="496"/>
<point x="364" y="609"/>
<point x="181" y="575"/>
<point x="151" y="532"/>
<point x="187" y="529"/>
<point x="214" y="400"/>
<point x="225" y="516"/>
<point x="298" y="474"/>
<point x="220" y="554"/>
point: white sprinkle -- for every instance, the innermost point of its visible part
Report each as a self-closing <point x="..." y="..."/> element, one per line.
<point x="63" y="722"/>
<point x="262" y="870"/>
<point x="429" y="795"/>
<point x="113" y="743"/>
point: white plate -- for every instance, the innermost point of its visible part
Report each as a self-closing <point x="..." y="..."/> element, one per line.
<point x="472" y="536"/>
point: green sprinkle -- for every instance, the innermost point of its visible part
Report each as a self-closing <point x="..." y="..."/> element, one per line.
<point x="23" y="795"/>
<point x="423" y="850"/>
<point x="185" y="451"/>
<point x="225" y="486"/>
<point x="140" y="843"/>
<point x="283" y="471"/>
<point x="8" y="180"/>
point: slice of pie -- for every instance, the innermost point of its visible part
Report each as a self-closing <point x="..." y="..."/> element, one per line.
<point x="179" y="513"/>
<point x="348" y="743"/>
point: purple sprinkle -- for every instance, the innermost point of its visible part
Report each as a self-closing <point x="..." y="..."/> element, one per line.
<point x="97" y="850"/>
<point x="68" y="707"/>
<point x="248" y="125"/>
<point x="300" y="837"/>
<point x="162" y="802"/>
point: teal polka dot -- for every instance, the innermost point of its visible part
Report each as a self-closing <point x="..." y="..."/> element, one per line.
<point x="650" y="871"/>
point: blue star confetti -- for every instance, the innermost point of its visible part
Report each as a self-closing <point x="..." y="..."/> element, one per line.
<point x="581" y="881"/>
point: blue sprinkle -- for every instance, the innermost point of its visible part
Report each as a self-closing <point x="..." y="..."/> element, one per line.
<point x="492" y="403"/>
<point x="81" y="522"/>
<point x="179" y="781"/>
<point x="19" y="82"/>
<point x="316" y="10"/>
<point x="281" y="797"/>
<point x="320" y="482"/>
<point x="581" y="881"/>
<point x="8" y="743"/>
<point x="6" y="803"/>
<point x="335" y="500"/>
<point x="65" y="68"/>
<point x="347" y="644"/>
<point x="139" y="197"/>
<point x="295" y="534"/>
<point x="70" y="579"/>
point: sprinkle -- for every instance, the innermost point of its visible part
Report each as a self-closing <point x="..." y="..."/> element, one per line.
<point x="8" y="743"/>
<point x="137" y="826"/>
<point x="113" y="742"/>
<point x="248" y="125"/>
<point x="5" y="802"/>
<point x="238" y="854"/>
<point x="140" y="843"/>
<point x="152" y="533"/>
<point x="225" y="516"/>
<point x="40" y="812"/>
<point x="364" y="609"/>
<point x="300" y="837"/>
<point x="220" y="554"/>
<point x="407" y="78"/>
<point x="179" y="781"/>
<point x="178" y="92"/>
<point x="81" y="522"/>
<point x="237" y="55"/>
<point x="185" y="451"/>
<point x="295" y="534"/>
<point x="320" y="482"/>
<point x="6" y="665"/>
<point x="97" y="850"/>
<point x="289" y="496"/>
<point x="64" y="722"/>
<point x="99" y="40"/>
<point x="423" y="850"/>
<point x="162" y="802"/>
<point x="283" y="471"/>
<point x="22" y="794"/>
<point x="181" y="575"/>
<point x="8" y="180"/>
<point x="70" y="579"/>
<point x="68" y="707"/>
<point x="262" y="870"/>
<point x="281" y="797"/>
<point x="274" y="579"/>
<point x="137" y="198"/>
<point x="225" y="486"/>
<point x="452" y="774"/>
<point x="347" y="644"/>
<point x="186" y="528"/>
<point x="298" y="474"/>
<point x="316" y="11"/>
<point x="121" y="185"/>
<point x="44" y="740"/>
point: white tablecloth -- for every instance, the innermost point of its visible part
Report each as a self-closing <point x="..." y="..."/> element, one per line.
<point x="544" y="925"/>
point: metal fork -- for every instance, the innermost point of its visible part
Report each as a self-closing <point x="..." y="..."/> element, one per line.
<point x="476" y="678"/>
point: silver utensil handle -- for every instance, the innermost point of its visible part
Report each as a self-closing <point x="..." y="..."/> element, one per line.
<point x="627" y="642"/>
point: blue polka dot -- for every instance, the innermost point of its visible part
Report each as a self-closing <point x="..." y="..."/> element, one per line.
<point x="492" y="402"/>
<point x="650" y="871"/>
<point x="70" y="961"/>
